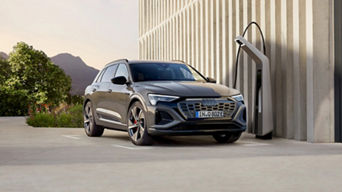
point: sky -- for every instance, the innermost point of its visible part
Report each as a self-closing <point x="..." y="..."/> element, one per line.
<point x="98" y="31"/>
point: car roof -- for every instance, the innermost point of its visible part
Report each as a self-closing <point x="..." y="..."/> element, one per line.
<point x="153" y="61"/>
<point x="143" y="62"/>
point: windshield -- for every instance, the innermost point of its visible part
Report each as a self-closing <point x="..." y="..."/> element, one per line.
<point x="164" y="72"/>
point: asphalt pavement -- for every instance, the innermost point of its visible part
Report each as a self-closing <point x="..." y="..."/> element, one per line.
<point x="65" y="159"/>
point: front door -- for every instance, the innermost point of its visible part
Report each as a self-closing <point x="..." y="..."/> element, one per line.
<point x="120" y="94"/>
<point x="102" y="102"/>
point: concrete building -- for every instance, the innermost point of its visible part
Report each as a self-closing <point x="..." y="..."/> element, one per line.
<point x="303" y="40"/>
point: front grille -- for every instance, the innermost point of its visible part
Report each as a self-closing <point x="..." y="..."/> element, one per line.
<point x="189" y="107"/>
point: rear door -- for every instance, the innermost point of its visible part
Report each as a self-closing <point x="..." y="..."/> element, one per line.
<point x="93" y="89"/>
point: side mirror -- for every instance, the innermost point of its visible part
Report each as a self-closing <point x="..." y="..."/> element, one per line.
<point x="211" y="80"/>
<point x="121" y="80"/>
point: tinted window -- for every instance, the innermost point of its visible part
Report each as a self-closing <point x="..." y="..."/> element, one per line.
<point x="164" y="72"/>
<point x="109" y="73"/>
<point x="99" y="75"/>
<point x="122" y="71"/>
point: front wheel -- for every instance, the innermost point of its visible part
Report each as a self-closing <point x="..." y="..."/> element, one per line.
<point x="137" y="125"/>
<point x="229" y="137"/>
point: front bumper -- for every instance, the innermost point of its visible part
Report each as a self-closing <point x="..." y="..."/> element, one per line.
<point x="183" y="125"/>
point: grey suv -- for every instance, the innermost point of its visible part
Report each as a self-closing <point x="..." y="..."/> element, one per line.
<point x="150" y="98"/>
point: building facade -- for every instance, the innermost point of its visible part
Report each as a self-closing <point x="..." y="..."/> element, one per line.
<point x="301" y="41"/>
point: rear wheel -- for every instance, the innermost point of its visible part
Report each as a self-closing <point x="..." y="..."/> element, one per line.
<point x="90" y="127"/>
<point x="229" y="137"/>
<point x="137" y="125"/>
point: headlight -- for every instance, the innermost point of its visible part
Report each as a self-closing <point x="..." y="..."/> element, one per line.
<point x="154" y="98"/>
<point x="238" y="98"/>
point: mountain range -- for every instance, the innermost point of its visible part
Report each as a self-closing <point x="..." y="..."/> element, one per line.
<point x="81" y="74"/>
<point x="3" y="55"/>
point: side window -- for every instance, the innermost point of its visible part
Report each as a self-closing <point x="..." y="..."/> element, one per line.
<point x="122" y="71"/>
<point x="99" y="75"/>
<point x="109" y="73"/>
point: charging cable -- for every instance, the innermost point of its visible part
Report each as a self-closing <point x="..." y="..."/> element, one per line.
<point x="239" y="50"/>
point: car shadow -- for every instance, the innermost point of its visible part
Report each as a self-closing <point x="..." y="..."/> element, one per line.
<point x="117" y="137"/>
<point x="173" y="141"/>
<point x="184" y="141"/>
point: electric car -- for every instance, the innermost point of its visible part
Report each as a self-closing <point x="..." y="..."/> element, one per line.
<point x="152" y="98"/>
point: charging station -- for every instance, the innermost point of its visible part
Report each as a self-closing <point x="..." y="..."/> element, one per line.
<point x="262" y="110"/>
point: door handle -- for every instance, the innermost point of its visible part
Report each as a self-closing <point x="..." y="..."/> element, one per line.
<point x="109" y="90"/>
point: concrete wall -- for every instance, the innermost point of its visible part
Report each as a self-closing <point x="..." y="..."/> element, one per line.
<point x="299" y="37"/>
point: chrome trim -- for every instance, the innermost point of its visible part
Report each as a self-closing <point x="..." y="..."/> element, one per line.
<point x="201" y="99"/>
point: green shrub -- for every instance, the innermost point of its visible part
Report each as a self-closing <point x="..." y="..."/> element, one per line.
<point x="64" y="120"/>
<point x="76" y="113"/>
<point x="78" y="109"/>
<point x="73" y="117"/>
<point x="13" y="102"/>
<point x="42" y="120"/>
<point x="74" y="99"/>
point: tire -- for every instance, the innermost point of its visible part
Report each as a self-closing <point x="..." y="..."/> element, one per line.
<point x="229" y="137"/>
<point x="90" y="127"/>
<point x="137" y="125"/>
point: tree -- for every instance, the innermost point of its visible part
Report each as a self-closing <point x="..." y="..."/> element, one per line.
<point x="34" y="77"/>
<point x="5" y="70"/>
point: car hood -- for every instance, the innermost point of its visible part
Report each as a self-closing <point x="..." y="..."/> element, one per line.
<point x="187" y="88"/>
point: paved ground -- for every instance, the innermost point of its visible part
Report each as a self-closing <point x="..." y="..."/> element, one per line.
<point x="56" y="159"/>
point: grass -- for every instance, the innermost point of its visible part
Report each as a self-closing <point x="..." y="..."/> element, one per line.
<point x="71" y="117"/>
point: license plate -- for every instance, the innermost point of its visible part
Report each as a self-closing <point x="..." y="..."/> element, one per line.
<point x="209" y="114"/>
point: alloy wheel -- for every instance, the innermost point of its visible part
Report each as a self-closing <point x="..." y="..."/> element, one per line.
<point x="88" y="118"/>
<point x="136" y="123"/>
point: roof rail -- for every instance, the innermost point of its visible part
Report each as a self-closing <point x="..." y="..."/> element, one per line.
<point x="115" y="61"/>
<point x="177" y="60"/>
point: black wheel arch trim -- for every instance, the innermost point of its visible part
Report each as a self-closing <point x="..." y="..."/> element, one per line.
<point x="137" y="97"/>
